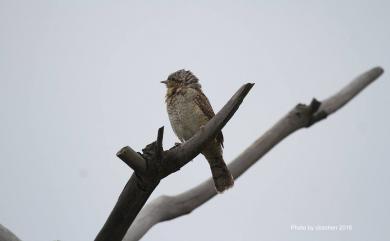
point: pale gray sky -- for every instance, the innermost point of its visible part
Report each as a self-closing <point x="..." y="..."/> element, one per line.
<point x="80" y="79"/>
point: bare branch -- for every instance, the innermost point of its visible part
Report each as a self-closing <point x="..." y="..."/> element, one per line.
<point x="7" y="235"/>
<point x="154" y="164"/>
<point x="132" y="159"/>
<point x="159" y="146"/>
<point x="170" y="207"/>
<point x="338" y="100"/>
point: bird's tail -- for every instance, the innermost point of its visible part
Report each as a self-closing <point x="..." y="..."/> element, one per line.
<point x="223" y="179"/>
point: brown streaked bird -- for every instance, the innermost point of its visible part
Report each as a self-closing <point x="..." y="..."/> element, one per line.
<point x="189" y="110"/>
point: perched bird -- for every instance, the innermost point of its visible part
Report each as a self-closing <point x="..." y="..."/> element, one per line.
<point x="189" y="110"/>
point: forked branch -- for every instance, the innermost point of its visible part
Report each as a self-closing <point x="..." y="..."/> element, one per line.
<point x="170" y="207"/>
<point x="154" y="164"/>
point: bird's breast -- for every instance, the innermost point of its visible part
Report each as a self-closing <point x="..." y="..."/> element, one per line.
<point x="185" y="116"/>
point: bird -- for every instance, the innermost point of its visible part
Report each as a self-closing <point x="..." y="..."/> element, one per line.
<point x="189" y="110"/>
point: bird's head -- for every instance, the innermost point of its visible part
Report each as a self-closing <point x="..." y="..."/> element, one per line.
<point x="182" y="78"/>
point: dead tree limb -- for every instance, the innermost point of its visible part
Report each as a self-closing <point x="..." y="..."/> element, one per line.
<point x="169" y="207"/>
<point x="7" y="235"/>
<point x="154" y="164"/>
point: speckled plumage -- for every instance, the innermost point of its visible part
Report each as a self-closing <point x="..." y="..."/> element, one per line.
<point x="188" y="110"/>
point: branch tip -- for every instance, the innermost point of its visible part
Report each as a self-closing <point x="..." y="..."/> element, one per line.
<point x="378" y="70"/>
<point x="159" y="142"/>
<point x="132" y="159"/>
<point x="122" y="151"/>
<point x="248" y="87"/>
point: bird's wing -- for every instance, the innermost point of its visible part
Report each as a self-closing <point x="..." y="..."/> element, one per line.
<point x="204" y="104"/>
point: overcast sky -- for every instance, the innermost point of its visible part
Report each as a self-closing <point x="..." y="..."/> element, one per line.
<point x="80" y="79"/>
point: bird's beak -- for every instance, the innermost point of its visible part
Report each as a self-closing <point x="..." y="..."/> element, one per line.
<point x="164" y="82"/>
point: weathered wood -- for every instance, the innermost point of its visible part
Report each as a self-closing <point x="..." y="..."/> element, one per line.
<point x="154" y="164"/>
<point x="301" y="116"/>
<point x="132" y="159"/>
<point x="132" y="198"/>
